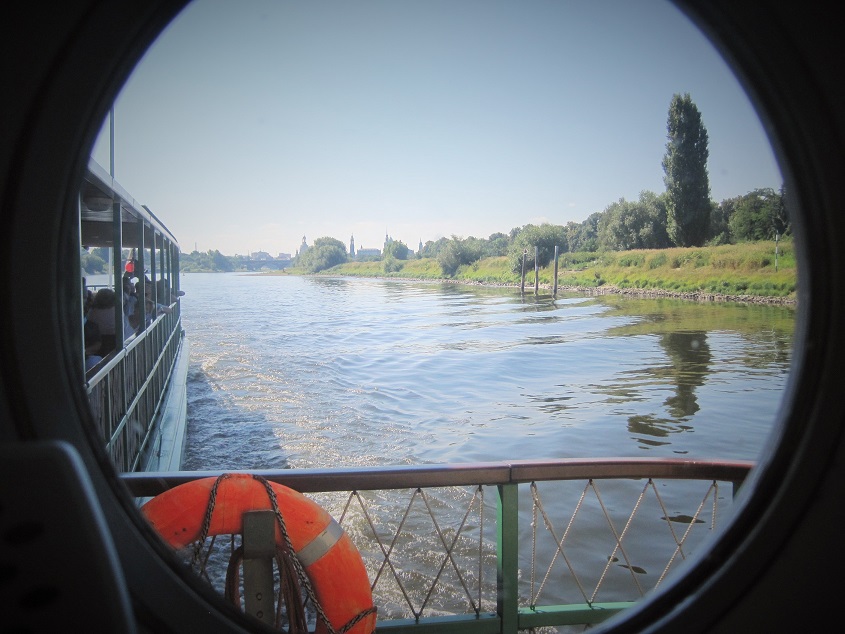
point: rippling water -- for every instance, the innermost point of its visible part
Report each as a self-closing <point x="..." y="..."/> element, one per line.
<point x="293" y="371"/>
<point x="308" y="372"/>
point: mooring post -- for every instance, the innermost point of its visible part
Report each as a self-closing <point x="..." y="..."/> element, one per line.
<point x="536" y="270"/>
<point x="554" y="287"/>
<point x="522" y="283"/>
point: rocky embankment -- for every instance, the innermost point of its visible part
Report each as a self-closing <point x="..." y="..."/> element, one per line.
<point x="652" y="293"/>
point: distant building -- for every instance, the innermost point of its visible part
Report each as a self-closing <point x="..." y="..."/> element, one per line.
<point x="284" y="256"/>
<point x="363" y="253"/>
<point x="302" y="247"/>
<point x="260" y="255"/>
<point x="352" y="247"/>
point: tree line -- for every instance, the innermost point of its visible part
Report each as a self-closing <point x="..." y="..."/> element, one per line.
<point x="682" y="216"/>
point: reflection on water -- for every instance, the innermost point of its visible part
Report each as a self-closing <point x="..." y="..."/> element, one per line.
<point x="689" y="358"/>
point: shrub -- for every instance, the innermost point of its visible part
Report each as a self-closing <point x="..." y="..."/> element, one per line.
<point x="657" y="261"/>
<point x="631" y="259"/>
<point x="392" y="264"/>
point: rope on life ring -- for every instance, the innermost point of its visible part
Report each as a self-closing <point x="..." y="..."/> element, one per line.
<point x="327" y="564"/>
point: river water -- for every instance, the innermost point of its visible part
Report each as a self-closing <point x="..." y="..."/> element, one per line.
<point x="313" y="372"/>
<point x="291" y="371"/>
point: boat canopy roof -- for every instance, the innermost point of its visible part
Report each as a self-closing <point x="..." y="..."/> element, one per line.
<point x="98" y="195"/>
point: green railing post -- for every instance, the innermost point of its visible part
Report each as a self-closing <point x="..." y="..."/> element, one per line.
<point x="507" y="550"/>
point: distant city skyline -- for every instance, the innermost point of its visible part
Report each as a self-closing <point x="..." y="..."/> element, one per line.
<point x="248" y="125"/>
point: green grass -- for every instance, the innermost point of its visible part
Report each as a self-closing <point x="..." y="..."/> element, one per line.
<point x="734" y="270"/>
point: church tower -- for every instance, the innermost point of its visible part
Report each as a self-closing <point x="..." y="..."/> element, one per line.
<point x="352" y="247"/>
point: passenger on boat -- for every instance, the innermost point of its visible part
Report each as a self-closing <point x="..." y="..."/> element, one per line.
<point x="87" y="298"/>
<point x="131" y="314"/>
<point x="152" y="309"/>
<point x="102" y="313"/>
<point x="165" y="292"/>
<point x="93" y="341"/>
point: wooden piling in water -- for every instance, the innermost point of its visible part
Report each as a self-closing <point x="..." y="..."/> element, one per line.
<point x="522" y="284"/>
<point x="554" y="286"/>
<point x="536" y="271"/>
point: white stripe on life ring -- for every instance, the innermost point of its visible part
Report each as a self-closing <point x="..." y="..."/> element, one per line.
<point x="320" y="545"/>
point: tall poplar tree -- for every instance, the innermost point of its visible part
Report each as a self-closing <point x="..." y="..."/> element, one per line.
<point x="685" y="174"/>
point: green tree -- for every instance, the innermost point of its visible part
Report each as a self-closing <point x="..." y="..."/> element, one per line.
<point x="456" y="253"/>
<point x="685" y="174"/>
<point x="545" y="237"/>
<point x="324" y="254"/>
<point x="628" y="225"/>
<point x="220" y="262"/>
<point x="497" y="244"/>
<point x="758" y="215"/>
<point x="396" y="249"/>
<point x="91" y="262"/>
<point x="210" y="261"/>
<point x="782" y="220"/>
<point x="719" y="231"/>
<point x="391" y="264"/>
<point x="584" y="236"/>
<point x="104" y="253"/>
<point x="432" y="248"/>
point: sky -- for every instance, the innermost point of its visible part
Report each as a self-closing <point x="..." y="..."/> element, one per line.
<point x="250" y="125"/>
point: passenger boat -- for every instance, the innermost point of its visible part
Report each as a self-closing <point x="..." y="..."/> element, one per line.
<point x="137" y="390"/>
<point x="74" y="552"/>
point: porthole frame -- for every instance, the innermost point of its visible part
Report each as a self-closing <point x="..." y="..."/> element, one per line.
<point x="68" y="70"/>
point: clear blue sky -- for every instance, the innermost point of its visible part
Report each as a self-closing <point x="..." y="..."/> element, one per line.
<point x="249" y="125"/>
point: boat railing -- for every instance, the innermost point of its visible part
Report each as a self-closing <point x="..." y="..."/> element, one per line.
<point x="503" y="547"/>
<point x="127" y="391"/>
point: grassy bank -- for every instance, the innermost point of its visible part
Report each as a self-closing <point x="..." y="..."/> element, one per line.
<point x="739" y="271"/>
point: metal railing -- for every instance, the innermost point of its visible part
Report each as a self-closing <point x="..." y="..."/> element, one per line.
<point x="562" y="543"/>
<point x="127" y="392"/>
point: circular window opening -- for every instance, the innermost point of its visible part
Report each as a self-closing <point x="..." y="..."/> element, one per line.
<point x="670" y="318"/>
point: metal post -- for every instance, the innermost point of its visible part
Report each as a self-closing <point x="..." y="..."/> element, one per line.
<point x="163" y="273"/>
<point x="120" y="374"/>
<point x="536" y="270"/>
<point x="117" y="270"/>
<point x="507" y="560"/>
<point x="142" y="277"/>
<point x="177" y="282"/>
<point x="153" y="271"/>
<point x="777" y="236"/>
<point x="554" y="288"/>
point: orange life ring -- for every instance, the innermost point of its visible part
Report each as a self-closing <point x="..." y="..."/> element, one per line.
<point x="328" y="556"/>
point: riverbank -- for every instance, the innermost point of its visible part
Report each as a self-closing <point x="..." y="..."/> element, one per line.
<point x="640" y="293"/>
<point x="760" y="272"/>
<point x="654" y="293"/>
